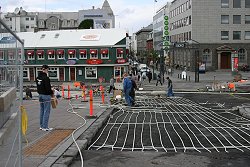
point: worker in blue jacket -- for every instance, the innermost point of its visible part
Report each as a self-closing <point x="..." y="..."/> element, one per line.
<point x="127" y="86"/>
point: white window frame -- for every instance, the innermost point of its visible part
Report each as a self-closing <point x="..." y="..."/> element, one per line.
<point x="54" y="69"/>
<point x="51" y="57"/>
<point x="207" y="56"/>
<point x="40" y="57"/>
<point x="242" y="55"/>
<point x="24" y="70"/>
<point x="72" y="56"/>
<point x="105" y="56"/>
<point x="94" y="56"/>
<point x="82" y="56"/>
<point x="31" y="57"/>
<point x="60" y="56"/>
<point x="91" y="68"/>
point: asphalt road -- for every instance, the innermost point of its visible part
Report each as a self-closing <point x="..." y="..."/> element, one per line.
<point x="227" y="133"/>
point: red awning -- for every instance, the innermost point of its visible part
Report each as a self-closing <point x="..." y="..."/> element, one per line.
<point x="50" y="52"/>
<point x="40" y="52"/>
<point x="60" y="52"/>
<point x="120" y="51"/>
<point x="93" y="51"/>
<point x="104" y="51"/>
<point x="30" y="52"/>
<point x="71" y="51"/>
<point x="83" y="51"/>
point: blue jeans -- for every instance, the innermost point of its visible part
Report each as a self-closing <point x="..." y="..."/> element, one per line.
<point x="128" y="97"/>
<point x="45" y="105"/>
<point x="170" y="92"/>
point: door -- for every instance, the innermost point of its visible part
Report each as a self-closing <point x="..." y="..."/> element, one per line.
<point x="72" y="74"/>
<point x="32" y="77"/>
<point x="225" y="60"/>
<point x="61" y="74"/>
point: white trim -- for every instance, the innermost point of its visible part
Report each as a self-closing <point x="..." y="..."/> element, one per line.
<point x="80" y="65"/>
<point x="91" y="77"/>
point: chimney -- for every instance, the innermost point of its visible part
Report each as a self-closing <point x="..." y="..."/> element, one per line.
<point x="93" y="7"/>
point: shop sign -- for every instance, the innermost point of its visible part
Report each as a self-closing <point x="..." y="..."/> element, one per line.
<point x="90" y="37"/>
<point x="71" y="62"/>
<point x="94" y="61"/>
<point x="121" y="61"/>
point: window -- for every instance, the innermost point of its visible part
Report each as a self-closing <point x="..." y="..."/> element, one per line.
<point x="236" y="35"/>
<point x="32" y="18"/>
<point x="82" y="54"/>
<point x="25" y="73"/>
<point x="247" y="3"/>
<point x="27" y="18"/>
<point x="10" y="19"/>
<point x="190" y="20"/>
<point x="224" y="3"/>
<point x="104" y="54"/>
<point x="1" y="55"/>
<point x="27" y="27"/>
<point x="224" y="19"/>
<point x="119" y="53"/>
<point x="93" y="54"/>
<point x="40" y="54"/>
<point x="236" y="19"/>
<point x="207" y="57"/>
<point x="236" y="3"/>
<point x="118" y="72"/>
<point x="247" y="19"/>
<point x="41" y="23"/>
<point x="59" y="56"/>
<point x="71" y="54"/>
<point x="247" y="35"/>
<point x="53" y="73"/>
<point x="242" y="55"/>
<point x="90" y="72"/>
<point x="224" y="35"/>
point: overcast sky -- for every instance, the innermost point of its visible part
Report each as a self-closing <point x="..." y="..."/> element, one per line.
<point x="130" y="14"/>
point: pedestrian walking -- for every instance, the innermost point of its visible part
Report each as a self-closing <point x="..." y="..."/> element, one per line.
<point x="45" y="92"/>
<point x="170" y="88"/>
<point x="111" y="83"/>
<point x="127" y="86"/>
<point x="158" y="79"/>
<point x="149" y="76"/>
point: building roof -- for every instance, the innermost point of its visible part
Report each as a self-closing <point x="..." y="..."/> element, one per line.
<point x="72" y="38"/>
<point x="107" y="7"/>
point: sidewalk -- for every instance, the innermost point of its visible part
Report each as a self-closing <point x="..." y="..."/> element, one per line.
<point x="61" y="119"/>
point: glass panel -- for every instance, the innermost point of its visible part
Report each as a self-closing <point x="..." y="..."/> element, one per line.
<point x="237" y="19"/>
<point x="225" y="3"/>
<point x="236" y="35"/>
<point x="224" y="19"/>
<point x="247" y="3"/>
<point x="237" y="3"/>
<point x="224" y="35"/>
<point x="247" y="19"/>
<point x="247" y="35"/>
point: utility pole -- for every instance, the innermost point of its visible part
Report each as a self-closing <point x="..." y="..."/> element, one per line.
<point x="196" y="54"/>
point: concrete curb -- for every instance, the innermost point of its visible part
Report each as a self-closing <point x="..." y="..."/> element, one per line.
<point x="6" y="129"/>
<point x="66" y="152"/>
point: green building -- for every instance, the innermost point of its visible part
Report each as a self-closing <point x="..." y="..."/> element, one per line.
<point x="88" y="55"/>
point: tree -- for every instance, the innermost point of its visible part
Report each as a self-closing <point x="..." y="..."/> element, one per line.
<point x="86" y="24"/>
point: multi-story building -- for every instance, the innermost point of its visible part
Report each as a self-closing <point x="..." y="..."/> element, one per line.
<point x="22" y="21"/>
<point x="72" y="55"/>
<point x="217" y="29"/>
<point x="158" y="26"/>
<point x="141" y="38"/>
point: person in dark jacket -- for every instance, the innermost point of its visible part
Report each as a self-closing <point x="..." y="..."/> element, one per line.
<point x="45" y="92"/>
<point x="132" y="92"/>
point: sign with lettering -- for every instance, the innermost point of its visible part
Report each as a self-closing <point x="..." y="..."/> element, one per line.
<point x="90" y="37"/>
<point x="94" y="61"/>
<point x="121" y="61"/>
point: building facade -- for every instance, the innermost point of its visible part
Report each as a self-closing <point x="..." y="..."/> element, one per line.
<point x="216" y="29"/>
<point x="72" y="55"/>
<point x="22" y="21"/>
<point x="141" y="39"/>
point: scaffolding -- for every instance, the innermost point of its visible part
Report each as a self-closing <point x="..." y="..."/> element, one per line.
<point x="11" y="72"/>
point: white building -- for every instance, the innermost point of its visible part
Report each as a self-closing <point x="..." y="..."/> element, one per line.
<point x="22" y="21"/>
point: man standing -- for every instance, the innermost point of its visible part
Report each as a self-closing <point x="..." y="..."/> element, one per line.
<point x="111" y="83"/>
<point x="169" y="88"/>
<point x="45" y="92"/>
<point x="127" y="86"/>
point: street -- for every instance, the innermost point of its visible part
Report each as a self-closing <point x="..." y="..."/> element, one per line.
<point x="190" y="129"/>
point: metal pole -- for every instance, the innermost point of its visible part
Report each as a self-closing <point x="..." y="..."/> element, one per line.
<point x="21" y="103"/>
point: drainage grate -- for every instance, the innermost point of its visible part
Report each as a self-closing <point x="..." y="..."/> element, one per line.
<point x="47" y="143"/>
